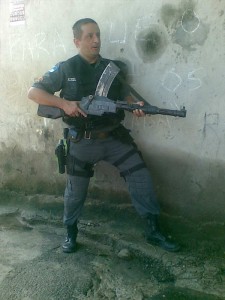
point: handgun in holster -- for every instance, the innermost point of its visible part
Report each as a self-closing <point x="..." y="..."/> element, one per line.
<point x="61" y="152"/>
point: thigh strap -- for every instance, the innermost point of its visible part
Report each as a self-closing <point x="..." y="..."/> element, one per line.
<point x="86" y="168"/>
<point x="124" y="157"/>
<point x="133" y="169"/>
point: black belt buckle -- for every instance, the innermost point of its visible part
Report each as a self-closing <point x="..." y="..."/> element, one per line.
<point x="87" y="135"/>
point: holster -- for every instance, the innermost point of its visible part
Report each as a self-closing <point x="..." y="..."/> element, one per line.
<point x="85" y="169"/>
<point x="60" y="152"/>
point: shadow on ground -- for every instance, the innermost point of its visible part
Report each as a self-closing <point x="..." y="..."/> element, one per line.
<point x="113" y="261"/>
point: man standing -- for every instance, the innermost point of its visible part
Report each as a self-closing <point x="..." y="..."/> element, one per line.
<point x="94" y="138"/>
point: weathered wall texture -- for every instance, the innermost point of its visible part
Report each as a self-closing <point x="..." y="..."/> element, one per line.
<point x="175" y="53"/>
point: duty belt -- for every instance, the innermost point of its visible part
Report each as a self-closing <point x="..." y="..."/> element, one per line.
<point x="96" y="135"/>
<point x="76" y="135"/>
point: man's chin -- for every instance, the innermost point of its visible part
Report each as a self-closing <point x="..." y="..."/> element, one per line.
<point x="95" y="54"/>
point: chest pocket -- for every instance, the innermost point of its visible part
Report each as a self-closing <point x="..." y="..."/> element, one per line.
<point x="70" y="90"/>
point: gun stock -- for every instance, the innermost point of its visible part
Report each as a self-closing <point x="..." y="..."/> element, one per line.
<point x="49" y="112"/>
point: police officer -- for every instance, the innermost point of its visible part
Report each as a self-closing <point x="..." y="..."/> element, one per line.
<point x="95" y="138"/>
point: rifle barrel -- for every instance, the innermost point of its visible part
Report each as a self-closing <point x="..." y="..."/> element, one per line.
<point x="152" y="110"/>
<point x="163" y="111"/>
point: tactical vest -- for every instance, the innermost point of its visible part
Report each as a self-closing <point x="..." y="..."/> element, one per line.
<point x="81" y="80"/>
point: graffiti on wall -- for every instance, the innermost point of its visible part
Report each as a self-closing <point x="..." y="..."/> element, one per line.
<point x="180" y="25"/>
<point x="39" y="46"/>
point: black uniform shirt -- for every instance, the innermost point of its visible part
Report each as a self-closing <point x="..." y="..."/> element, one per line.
<point x="76" y="78"/>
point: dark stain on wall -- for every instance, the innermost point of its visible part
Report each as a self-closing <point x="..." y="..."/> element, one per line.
<point x="180" y="186"/>
<point x="181" y="24"/>
<point x="47" y="133"/>
<point x="151" y="43"/>
<point x="27" y="171"/>
<point x="170" y="15"/>
<point x="184" y="25"/>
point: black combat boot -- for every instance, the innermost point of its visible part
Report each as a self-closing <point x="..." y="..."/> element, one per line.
<point x="69" y="245"/>
<point x="155" y="237"/>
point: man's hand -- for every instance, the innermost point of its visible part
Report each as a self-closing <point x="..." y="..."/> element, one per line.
<point x="136" y="112"/>
<point x="139" y="112"/>
<point x="72" y="109"/>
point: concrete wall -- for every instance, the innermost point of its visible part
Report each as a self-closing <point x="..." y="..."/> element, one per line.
<point x="175" y="53"/>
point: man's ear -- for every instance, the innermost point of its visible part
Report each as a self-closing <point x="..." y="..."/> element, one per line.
<point x="76" y="42"/>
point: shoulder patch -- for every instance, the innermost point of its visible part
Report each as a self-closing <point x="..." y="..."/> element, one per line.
<point x="53" y="69"/>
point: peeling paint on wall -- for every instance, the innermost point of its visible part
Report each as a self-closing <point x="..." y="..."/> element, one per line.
<point x="185" y="25"/>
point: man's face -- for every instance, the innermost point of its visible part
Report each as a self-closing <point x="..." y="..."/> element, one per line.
<point x="89" y="42"/>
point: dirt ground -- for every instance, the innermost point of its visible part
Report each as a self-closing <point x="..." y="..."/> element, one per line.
<point x="112" y="262"/>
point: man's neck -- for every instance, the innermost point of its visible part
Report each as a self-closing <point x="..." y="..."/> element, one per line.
<point x="90" y="60"/>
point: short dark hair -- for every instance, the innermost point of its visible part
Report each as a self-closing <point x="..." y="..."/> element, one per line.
<point x="77" y="30"/>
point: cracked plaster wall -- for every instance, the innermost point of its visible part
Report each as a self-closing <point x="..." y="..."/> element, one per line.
<point x="175" y="53"/>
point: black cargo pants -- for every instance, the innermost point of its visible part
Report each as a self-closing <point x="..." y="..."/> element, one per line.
<point x="130" y="164"/>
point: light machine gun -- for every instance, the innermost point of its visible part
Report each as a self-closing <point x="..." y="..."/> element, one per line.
<point x="100" y="105"/>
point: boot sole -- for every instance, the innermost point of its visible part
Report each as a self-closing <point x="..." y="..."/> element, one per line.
<point x="175" y="249"/>
<point x="69" y="250"/>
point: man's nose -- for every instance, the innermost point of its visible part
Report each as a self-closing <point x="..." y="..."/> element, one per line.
<point x="96" y="38"/>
